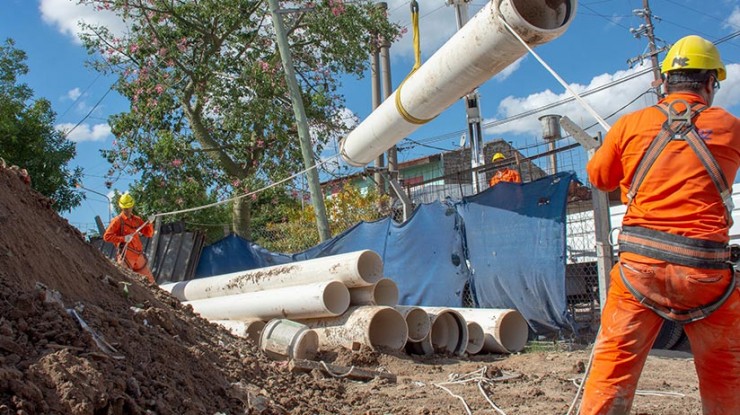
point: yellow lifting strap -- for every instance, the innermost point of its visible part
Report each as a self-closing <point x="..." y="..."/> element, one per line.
<point x="417" y="56"/>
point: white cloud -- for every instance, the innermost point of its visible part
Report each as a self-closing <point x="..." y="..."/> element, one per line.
<point x="85" y="132"/>
<point x="607" y="103"/>
<point x="733" y="21"/>
<point x="66" y="16"/>
<point x="73" y="94"/>
<point x="501" y="76"/>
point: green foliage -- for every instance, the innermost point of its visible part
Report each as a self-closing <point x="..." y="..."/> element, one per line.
<point x="345" y="208"/>
<point x="208" y="96"/>
<point x="27" y="135"/>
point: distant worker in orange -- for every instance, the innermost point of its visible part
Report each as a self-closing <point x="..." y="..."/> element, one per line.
<point x="124" y="231"/>
<point x="674" y="163"/>
<point x="504" y="174"/>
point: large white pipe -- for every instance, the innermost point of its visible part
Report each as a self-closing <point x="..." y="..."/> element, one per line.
<point x="506" y="330"/>
<point x="478" y="51"/>
<point x="354" y="269"/>
<point x="377" y="327"/>
<point x="383" y="292"/>
<point x="449" y="333"/>
<point x="249" y="329"/>
<point x="323" y="299"/>
<point x="417" y="321"/>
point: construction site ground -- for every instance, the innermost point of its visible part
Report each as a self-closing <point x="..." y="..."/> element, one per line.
<point x="142" y="352"/>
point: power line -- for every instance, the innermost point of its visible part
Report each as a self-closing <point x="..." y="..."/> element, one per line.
<point x="67" y="133"/>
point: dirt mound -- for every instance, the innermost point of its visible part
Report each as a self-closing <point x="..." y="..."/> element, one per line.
<point x="78" y="335"/>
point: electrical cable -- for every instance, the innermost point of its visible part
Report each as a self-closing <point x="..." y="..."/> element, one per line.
<point x="68" y="132"/>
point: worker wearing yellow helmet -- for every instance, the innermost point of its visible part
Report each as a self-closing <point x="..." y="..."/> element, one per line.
<point x="674" y="257"/>
<point x="504" y="174"/>
<point x="124" y="231"/>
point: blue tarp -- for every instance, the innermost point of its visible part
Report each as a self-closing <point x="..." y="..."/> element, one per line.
<point x="512" y="236"/>
<point x="515" y="237"/>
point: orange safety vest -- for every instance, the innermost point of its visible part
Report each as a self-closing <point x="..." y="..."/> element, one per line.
<point x="505" y="175"/>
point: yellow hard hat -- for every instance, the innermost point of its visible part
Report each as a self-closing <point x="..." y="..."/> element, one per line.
<point x="126" y="201"/>
<point x="694" y="52"/>
<point x="497" y="156"/>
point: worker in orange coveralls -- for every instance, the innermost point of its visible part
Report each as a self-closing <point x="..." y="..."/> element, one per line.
<point x="122" y="232"/>
<point x="673" y="167"/>
<point x="505" y="174"/>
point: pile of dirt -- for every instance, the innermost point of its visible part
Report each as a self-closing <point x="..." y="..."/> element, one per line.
<point x="79" y="335"/>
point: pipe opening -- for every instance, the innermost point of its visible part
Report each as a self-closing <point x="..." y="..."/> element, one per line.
<point x="370" y="266"/>
<point x="418" y="323"/>
<point x="476" y="338"/>
<point x="445" y="333"/>
<point x="552" y="14"/>
<point x="513" y="332"/>
<point x="387" y="330"/>
<point x="385" y="292"/>
<point x="336" y="297"/>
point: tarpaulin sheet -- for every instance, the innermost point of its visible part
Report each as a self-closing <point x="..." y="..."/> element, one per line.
<point x="423" y="256"/>
<point x="234" y="253"/>
<point x="515" y="236"/>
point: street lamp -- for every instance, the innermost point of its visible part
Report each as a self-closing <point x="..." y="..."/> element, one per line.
<point x="80" y="186"/>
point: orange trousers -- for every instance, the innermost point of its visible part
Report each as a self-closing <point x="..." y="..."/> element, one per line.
<point x="629" y="329"/>
<point x="137" y="262"/>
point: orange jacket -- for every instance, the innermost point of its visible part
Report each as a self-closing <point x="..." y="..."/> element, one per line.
<point x="677" y="195"/>
<point x="505" y="175"/>
<point x="122" y="225"/>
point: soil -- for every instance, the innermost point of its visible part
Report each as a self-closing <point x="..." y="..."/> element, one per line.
<point x="143" y="352"/>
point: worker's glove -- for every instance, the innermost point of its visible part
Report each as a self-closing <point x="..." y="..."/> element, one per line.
<point x="128" y="238"/>
<point x="151" y="218"/>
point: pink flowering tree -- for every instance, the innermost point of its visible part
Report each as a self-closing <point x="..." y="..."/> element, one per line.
<point x="210" y="114"/>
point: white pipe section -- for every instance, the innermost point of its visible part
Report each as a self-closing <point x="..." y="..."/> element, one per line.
<point x="449" y="333"/>
<point x="478" y="51"/>
<point x="506" y="330"/>
<point x="476" y="338"/>
<point x="354" y="269"/>
<point x="383" y="292"/>
<point x="323" y="299"/>
<point x="285" y="339"/>
<point x="377" y="327"/>
<point x="249" y="329"/>
<point x="417" y="321"/>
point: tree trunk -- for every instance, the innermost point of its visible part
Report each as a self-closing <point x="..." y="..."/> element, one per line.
<point x="241" y="217"/>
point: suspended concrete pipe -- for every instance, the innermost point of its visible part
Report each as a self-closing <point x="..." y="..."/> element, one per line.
<point x="377" y="327"/>
<point x="449" y="333"/>
<point x="476" y="338"/>
<point x="417" y="321"/>
<point x="249" y="329"/>
<point x="354" y="269"/>
<point x="323" y="299"/>
<point x="506" y="330"/>
<point x="478" y="51"/>
<point x="383" y="292"/>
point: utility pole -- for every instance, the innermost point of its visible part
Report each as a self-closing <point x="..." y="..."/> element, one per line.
<point x="375" y="84"/>
<point x="472" y="110"/>
<point x="647" y="29"/>
<point x="314" y="186"/>
<point x="385" y="73"/>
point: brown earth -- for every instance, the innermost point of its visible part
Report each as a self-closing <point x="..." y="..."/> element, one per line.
<point x="154" y="356"/>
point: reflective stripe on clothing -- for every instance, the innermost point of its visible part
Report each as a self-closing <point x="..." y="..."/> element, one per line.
<point x="629" y="329"/>
<point x="677" y="196"/>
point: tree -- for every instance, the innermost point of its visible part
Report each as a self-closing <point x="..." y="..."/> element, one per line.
<point x="27" y="135"/>
<point x="208" y="95"/>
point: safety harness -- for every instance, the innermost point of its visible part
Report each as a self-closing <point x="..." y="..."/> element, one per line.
<point x="123" y="247"/>
<point x="672" y="248"/>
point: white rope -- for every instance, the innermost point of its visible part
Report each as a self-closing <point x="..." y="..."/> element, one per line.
<point x="465" y="404"/>
<point x="247" y="194"/>
<point x="477" y="376"/>
<point x="578" y="98"/>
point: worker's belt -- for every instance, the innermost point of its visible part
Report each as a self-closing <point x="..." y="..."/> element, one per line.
<point x="679" y="316"/>
<point x="677" y="249"/>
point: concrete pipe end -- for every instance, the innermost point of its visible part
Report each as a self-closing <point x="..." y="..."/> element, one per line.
<point x="552" y="15"/>
<point x="476" y="338"/>
<point x="387" y="330"/>
<point x="418" y="323"/>
<point x="370" y="266"/>
<point x="385" y="292"/>
<point x="513" y="331"/>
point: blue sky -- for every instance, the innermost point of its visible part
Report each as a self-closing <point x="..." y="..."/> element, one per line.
<point x="592" y="52"/>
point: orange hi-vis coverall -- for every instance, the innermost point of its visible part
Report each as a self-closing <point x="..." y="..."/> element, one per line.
<point x="133" y="257"/>
<point x="678" y="197"/>
<point x="505" y="175"/>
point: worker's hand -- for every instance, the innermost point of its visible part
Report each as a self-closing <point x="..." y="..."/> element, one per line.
<point x="128" y="238"/>
<point x="151" y="218"/>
